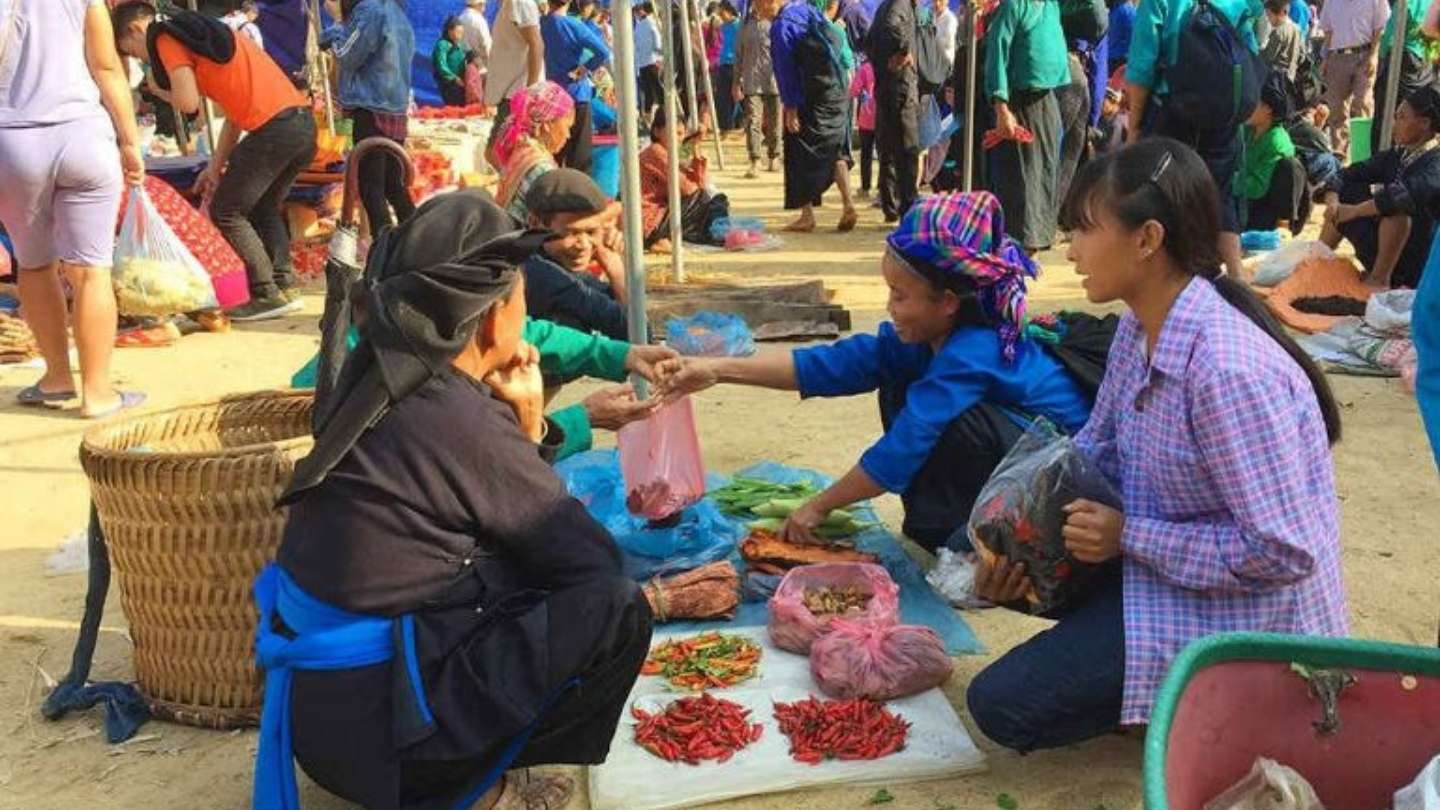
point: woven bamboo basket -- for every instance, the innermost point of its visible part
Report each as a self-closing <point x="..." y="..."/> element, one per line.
<point x="186" y="499"/>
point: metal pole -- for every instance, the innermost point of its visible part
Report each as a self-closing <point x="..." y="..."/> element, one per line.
<point x="1392" y="80"/>
<point x="672" y="146"/>
<point x="629" y="114"/>
<point x="687" y="53"/>
<point x="971" y="116"/>
<point x="710" y="103"/>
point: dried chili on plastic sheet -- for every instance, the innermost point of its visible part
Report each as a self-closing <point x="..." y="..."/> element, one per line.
<point x="694" y="729"/>
<point x="840" y="729"/>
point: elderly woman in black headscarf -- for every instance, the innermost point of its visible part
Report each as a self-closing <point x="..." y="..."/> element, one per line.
<point x="441" y="614"/>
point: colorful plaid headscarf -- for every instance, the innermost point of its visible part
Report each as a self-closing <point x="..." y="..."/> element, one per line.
<point x="965" y="234"/>
<point x="530" y="109"/>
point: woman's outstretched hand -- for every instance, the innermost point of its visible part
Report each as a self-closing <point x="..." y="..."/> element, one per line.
<point x="646" y="361"/>
<point x="520" y="386"/>
<point x="680" y="376"/>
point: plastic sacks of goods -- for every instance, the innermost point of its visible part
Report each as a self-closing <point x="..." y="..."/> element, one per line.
<point x="811" y="597"/>
<point x="1021" y="511"/>
<point x="710" y="334"/>
<point x="155" y="274"/>
<point x="857" y="659"/>
<point x="204" y="241"/>
<point x="660" y="459"/>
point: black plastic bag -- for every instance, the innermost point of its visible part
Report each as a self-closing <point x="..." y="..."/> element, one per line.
<point x="1021" y="511"/>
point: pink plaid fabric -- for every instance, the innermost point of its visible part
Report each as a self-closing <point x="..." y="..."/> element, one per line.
<point x="1231" y="517"/>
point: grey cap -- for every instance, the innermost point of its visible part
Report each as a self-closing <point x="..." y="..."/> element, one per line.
<point x="565" y="191"/>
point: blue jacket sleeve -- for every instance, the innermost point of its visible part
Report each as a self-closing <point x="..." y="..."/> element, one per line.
<point x="591" y="40"/>
<point x="1142" y="67"/>
<point x="359" y="37"/>
<point x="844" y="368"/>
<point x="954" y="383"/>
<point x="782" y="53"/>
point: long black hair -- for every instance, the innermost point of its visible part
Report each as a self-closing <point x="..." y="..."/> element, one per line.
<point x="1163" y="180"/>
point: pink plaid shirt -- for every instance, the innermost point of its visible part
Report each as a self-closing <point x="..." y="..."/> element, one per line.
<point x="1231" y="518"/>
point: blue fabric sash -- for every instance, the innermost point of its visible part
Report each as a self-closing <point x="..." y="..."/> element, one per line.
<point x="1425" y="330"/>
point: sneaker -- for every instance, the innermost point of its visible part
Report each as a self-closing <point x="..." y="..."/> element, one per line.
<point x="290" y="294"/>
<point x="263" y="309"/>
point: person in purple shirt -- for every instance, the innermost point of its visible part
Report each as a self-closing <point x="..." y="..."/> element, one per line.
<point x="1216" y="429"/>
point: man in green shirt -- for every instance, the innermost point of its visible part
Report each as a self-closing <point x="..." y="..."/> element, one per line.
<point x="1267" y="144"/>
<point x="1025" y="60"/>
<point x="569" y="353"/>
<point x="1415" y="69"/>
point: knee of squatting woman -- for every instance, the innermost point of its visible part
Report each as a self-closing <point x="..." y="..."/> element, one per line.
<point x="1216" y="430"/>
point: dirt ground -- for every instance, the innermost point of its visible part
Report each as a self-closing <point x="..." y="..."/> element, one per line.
<point x="1387" y="484"/>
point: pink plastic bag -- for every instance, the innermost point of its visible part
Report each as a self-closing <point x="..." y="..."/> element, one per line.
<point x="794" y="627"/>
<point x="860" y="660"/>
<point x="660" y="459"/>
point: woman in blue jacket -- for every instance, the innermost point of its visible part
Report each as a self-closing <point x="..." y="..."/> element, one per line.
<point x="957" y="380"/>
<point x="373" y="44"/>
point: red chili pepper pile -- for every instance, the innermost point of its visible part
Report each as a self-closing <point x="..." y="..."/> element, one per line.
<point x="693" y="729"/>
<point x="840" y="729"/>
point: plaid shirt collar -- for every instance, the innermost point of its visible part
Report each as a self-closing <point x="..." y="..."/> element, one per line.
<point x="1182" y="328"/>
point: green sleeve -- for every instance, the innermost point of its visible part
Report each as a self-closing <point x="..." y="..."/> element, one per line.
<point x="997" y="53"/>
<point x="442" y="59"/>
<point x="576" y="425"/>
<point x="567" y="352"/>
<point x="1261" y="159"/>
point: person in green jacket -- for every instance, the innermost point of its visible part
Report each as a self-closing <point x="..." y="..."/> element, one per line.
<point x="1267" y="144"/>
<point x="1025" y="60"/>
<point x="448" y="60"/>
<point x="568" y="353"/>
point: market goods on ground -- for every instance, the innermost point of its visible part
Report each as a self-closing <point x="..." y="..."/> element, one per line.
<point x="840" y="729"/>
<point x="706" y="661"/>
<point x="764" y="551"/>
<point x="857" y="659"/>
<point x="794" y="625"/>
<point x="709" y="592"/>
<point x="697" y="728"/>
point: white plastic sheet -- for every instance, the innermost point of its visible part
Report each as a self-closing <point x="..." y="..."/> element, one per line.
<point x="1424" y="792"/>
<point x="633" y="779"/>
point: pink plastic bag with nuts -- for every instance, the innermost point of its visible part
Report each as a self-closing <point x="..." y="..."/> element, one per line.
<point x="660" y="459"/>
<point x="794" y="626"/>
<point x="879" y="662"/>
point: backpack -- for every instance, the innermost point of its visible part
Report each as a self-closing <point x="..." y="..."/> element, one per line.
<point x="1084" y="20"/>
<point x="1308" y="88"/>
<point x="930" y="65"/>
<point x="1215" y="81"/>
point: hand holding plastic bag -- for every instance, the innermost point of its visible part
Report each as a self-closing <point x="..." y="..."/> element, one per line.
<point x="155" y="274"/>
<point x="861" y="660"/>
<point x="794" y="626"/>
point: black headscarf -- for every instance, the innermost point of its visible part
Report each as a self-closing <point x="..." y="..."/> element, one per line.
<point x="203" y="36"/>
<point x="428" y="284"/>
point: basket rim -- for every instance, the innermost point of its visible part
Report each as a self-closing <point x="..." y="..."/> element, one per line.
<point x="92" y="443"/>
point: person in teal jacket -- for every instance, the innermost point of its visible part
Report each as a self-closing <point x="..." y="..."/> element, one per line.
<point x="569" y="353"/>
<point x="448" y="60"/>
<point x="1154" y="50"/>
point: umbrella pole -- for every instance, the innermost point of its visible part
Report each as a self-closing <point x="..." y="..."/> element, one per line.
<point x="629" y="115"/>
<point x="687" y="53"/>
<point x="971" y="115"/>
<point x="677" y="225"/>
<point x="1392" y="79"/>
<point x="710" y="104"/>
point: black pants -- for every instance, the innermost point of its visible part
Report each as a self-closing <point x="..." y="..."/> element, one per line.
<point x="943" y="493"/>
<point x="899" y="175"/>
<point x="1364" y="235"/>
<point x="867" y="157"/>
<point x="724" y="76"/>
<point x="1025" y="177"/>
<point x="257" y="179"/>
<point x="382" y="179"/>
<point x="1222" y="150"/>
<point x="1074" y="100"/>
<point x="652" y="89"/>
<point x="576" y="153"/>
<point x="452" y="93"/>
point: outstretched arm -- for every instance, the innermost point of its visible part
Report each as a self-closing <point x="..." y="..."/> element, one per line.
<point x="691" y="375"/>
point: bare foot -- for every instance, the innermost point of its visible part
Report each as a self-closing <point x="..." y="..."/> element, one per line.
<point x="662" y="246"/>
<point x="805" y="224"/>
<point x="847" y="221"/>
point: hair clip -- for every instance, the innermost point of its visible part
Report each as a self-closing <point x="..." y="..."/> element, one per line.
<point x="1160" y="169"/>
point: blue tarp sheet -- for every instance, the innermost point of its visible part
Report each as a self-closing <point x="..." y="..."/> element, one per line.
<point x="919" y="604"/>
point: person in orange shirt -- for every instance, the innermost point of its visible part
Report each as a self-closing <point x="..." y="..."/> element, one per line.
<point x="193" y="56"/>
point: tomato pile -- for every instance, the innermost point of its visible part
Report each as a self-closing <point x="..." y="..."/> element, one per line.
<point x="694" y="729"/>
<point x="704" y="661"/>
<point x="840" y="729"/>
<point x="442" y="113"/>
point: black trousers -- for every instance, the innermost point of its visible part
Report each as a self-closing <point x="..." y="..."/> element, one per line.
<point x="651" y="89"/>
<point x="576" y="153"/>
<point x="867" y="157"/>
<point x="382" y="179"/>
<point x="1025" y="177"/>
<point x="899" y="175"/>
<point x="723" y="77"/>
<point x="1074" y="100"/>
<point x="451" y="93"/>
<point x="942" y="495"/>
<point x="246" y="208"/>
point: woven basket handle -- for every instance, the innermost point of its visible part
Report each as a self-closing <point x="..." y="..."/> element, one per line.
<point x="351" y="200"/>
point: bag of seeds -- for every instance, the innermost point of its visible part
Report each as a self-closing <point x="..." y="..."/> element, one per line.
<point x="1021" y="511"/>
<point x="812" y="596"/>
<point x="860" y="660"/>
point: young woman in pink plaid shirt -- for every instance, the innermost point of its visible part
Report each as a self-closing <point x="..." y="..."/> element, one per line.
<point x="1215" y="428"/>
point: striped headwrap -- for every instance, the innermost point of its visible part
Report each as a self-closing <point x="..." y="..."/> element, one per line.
<point x="964" y="234"/>
<point x="531" y="109"/>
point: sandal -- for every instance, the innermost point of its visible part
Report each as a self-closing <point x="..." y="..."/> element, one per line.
<point x="34" y="396"/>
<point x="847" y="221"/>
<point x="800" y="227"/>
<point x="149" y="337"/>
<point x="526" y="789"/>
<point x="128" y="400"/>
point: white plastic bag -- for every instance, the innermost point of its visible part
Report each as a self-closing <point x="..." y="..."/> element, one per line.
<point x="1268" y="786"/>
<point x="1424" y="792"/>
<point x="1389" y="312"/>
<point x="1278" y="264"/>
<point x="155" y="274"/>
